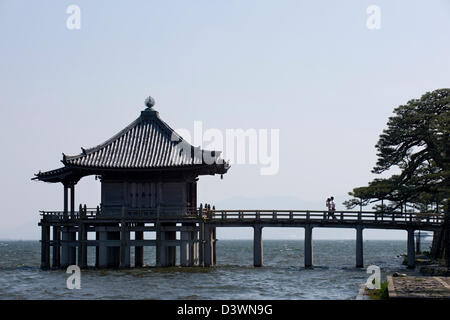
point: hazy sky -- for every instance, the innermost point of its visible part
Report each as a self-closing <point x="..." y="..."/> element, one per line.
<point x="311" y="69"/>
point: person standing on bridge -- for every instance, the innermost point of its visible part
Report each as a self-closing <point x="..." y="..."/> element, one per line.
<point x="331" y="208"/>
<point x="327" y="203"/>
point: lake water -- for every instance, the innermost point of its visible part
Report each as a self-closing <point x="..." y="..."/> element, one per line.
<point x="282" y="277"/>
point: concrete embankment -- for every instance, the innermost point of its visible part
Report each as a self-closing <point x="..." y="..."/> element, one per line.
<point x="418" y="287"/>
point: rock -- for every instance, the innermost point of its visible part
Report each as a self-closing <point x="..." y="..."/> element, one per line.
<point x="434" y="270"/>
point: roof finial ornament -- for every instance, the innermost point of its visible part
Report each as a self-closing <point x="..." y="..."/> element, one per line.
<point x="149" y="102"/>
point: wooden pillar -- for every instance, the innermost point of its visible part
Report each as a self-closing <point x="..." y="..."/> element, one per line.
<point x="97" y="248"/>
<point x="108" y="253"/>
<point x="56" y="263"/>
<point x="185" y="248"/>
<point x="188" y="245"/>
<point x="66" y="200"/>
<point x="82" y="246"/>
<point x="214" y="246"/>
<point x="411" y="250"/>
<point x="194" y="247"/>
<point x="139" y="250"/>
<point x="113" y="251"/>
<point x="124" y="246"/>
<point x="65" y="252"/>
<point x="167" y="251"/>
<point x="45" y="246"/>
<point x="159" y="243"/>
<point x="208" y="249"/>
<point x="308" y="246"/>
<point x="257" y="246"/>
<point x="68" y="249"/>
<point x="102" y="236"/>
<point x="201" y="251"/>
<point x="72" y="199"/>
<point x="359" y="247"/>
<point x="171" y="250"/>
<point x="65" y="236"/>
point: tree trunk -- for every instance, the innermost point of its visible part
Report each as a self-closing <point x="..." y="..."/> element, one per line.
<point x="440" y="248"/>
<point x="436" y="245"/>
<point x="446" y="253"/>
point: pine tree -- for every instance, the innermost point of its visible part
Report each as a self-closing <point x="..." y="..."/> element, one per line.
<point x="416" y="143"/>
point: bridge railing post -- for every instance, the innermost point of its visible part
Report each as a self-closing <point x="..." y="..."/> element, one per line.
<point x="359" y="216"/>
<point x="342" y="216"/>
<point x="324" y="215"/>
<point x="258" y="215"/>
<point x="274" y="215"/>
<point x="308" y="215"/>
<point x="291" y="215"/>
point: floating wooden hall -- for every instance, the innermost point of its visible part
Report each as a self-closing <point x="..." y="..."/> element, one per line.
<point x="148" y="176"/>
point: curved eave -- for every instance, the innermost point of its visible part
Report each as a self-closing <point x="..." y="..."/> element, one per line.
<point x="215" y="168"/>
<point x="75" y="173"/>
<point x="64" y="174"/>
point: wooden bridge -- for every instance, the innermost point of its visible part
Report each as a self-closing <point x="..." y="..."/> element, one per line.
<point x="197" y="233"/>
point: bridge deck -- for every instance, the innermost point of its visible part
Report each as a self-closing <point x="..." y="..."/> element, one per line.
<point x="264" y="218"/>
<point x="197" y="233"/>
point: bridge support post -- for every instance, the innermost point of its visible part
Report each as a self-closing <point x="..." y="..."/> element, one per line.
<point x="97" y="250"/>
<point x="194" y="248"/>
<point x="45" y="247"/>
<point x="214" y="241"/>
<point x="159" y="251"/>
<point x="163" y="259"/>
<point x="124" y="246"/>
<point x="189" y="246"/>
<point x="257" y="246"/>
<point x="201" y="244"/>
<point x="185" y="247"/>
<point x="102" y="259"/>
<point x="114" y="252"/>
<point x="208" y="253"/>
<point x="172" y="249"/>
<point x="166" y="251"/>
<point x="108" y="256"/>
<point x="68" y="250"/>
<point x="308" y="246"/>
<point x="139" y="250"/>
<point x="56" y="263"/>
<point x="82" y="246"/>
<point x="411" y="250"/>
<point x="359" y="247"/>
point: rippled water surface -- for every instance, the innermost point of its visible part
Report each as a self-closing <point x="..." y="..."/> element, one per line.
<point x="282" y="277"/>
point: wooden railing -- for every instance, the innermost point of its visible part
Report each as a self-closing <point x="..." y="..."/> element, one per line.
<point x="317" y="215"/>
<point x="97" y="213"/>
<point x="251" y="215"/>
